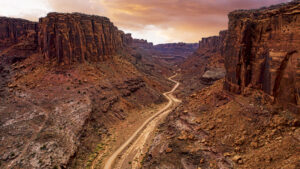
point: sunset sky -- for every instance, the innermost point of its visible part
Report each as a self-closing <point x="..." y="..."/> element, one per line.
<point x="158" y="21"/>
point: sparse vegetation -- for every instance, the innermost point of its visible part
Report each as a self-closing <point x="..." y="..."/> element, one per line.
<point x="94" y="155"/>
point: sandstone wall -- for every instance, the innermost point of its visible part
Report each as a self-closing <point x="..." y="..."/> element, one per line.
<point x="14" y="31"/>
<point x="69" y="38"/>
<point x="213" y="42"/>
<point x="263" y="52"/>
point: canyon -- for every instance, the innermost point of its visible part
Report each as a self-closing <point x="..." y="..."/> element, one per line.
<point x="77" y="92"/>
<point x="50" y="93"/>
<point x="242" y="120"/>
<point x="171" y="54"/>
<point x="204" y="66"/>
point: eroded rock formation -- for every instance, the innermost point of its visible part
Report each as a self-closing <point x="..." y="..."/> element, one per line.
<point x="18" y="31"/>
<point x="68" y="38"/>
<point x="55" y="117"/>
<point x="213" y="43"/>
<point x="262" y="52"/>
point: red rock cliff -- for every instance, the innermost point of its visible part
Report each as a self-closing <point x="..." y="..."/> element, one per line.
<point x="263" y="52"/>
<point x="213" y="43"/>
<point x="69" y="38"/>
<point x="14" y="31"/>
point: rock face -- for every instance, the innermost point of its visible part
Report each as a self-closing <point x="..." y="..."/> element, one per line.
<point x="69" y="38"/>
<point x="15" y="31"/>
<point x="214" y="48"/>
<point x="262" y="52"/>
<point x="213" y="43"/>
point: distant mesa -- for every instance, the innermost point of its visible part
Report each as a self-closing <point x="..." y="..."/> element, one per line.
<point x="69" y="38"/>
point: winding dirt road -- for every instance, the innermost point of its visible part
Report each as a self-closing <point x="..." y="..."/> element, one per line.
<point x="130" y="153"/>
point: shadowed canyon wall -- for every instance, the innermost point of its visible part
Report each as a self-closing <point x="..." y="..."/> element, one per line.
<point x="262" y="52"/>
<point x="18" y="31"/>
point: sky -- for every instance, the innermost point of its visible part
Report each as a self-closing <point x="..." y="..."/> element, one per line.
<point x="158" y="21"/>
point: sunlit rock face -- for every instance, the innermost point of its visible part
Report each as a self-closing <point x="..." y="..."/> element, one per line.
<point x="262" y="52"/>
<point x="71" y="38"/>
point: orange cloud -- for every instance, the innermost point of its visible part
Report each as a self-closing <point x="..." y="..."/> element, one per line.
<point x="161" y="21"/>
<point x="177" y="20"/>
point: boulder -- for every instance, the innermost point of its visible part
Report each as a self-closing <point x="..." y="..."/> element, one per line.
<point x="212" y="75"/>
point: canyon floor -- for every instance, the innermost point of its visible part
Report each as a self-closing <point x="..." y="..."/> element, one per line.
<point x="130" y="154"/>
